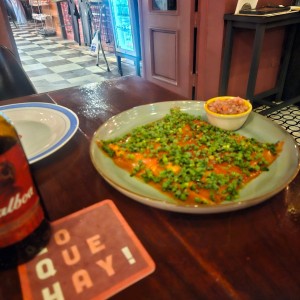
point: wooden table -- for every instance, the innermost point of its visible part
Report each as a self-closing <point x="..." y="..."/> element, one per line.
<point x="248" y="254"/>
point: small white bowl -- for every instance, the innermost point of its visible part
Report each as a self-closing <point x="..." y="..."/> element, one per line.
<point x="227" y="121"/>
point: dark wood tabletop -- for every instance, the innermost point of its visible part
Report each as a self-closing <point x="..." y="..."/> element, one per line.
<point x="253" y="253"/>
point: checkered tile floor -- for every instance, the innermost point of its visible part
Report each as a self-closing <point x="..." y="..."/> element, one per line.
<point x="53" y="63"/>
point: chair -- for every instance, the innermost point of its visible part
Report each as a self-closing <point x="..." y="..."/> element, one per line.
<point x="14" y="82"/>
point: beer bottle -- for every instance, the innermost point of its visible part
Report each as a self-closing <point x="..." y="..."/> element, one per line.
<point x="24" y="230"/>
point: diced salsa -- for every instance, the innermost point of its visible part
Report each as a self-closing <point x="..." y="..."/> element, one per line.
<point x="230" y="106"/>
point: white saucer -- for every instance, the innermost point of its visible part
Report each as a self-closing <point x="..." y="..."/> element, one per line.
<point x="43" y="127"/>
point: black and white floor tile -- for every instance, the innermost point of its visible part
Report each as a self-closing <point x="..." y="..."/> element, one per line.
<point x="53" y="63"/>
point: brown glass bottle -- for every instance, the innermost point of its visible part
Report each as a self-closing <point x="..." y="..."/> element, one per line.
<point x="24" y="230"/>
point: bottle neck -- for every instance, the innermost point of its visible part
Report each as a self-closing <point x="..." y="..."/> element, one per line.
<point x="6" y="143"/>
<point x="8" y="135"/>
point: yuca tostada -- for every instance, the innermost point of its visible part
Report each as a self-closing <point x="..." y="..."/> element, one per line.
<point x="190" y="160"/>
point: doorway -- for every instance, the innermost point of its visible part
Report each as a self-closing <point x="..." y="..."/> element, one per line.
<point x="168" y="41"/>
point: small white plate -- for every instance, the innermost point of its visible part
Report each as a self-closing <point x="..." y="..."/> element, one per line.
<point x="281" y="172"/>
<point x="43" y="127"/>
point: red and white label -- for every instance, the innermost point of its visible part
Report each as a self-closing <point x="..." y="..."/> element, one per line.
<point x="20" y="211"/>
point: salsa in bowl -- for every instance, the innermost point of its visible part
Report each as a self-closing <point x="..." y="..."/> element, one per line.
<point x="227" y="112"/>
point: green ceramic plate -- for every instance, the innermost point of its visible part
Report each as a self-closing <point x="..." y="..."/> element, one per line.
<point x="281" y="172"/>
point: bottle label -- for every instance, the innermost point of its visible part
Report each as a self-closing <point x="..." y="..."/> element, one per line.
<point x="20" y="210"/>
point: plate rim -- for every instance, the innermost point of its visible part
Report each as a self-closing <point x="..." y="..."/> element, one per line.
<point x="199" y="209"/>
<point x="71" y="116"/>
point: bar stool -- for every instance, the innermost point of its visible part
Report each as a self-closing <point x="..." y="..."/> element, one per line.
<point x="14" y="82"/>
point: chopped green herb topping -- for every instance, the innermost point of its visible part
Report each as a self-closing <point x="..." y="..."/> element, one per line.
<point x="190" y="159"/>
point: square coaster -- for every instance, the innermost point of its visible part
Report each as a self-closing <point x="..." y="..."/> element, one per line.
<point x="92" y="254"/>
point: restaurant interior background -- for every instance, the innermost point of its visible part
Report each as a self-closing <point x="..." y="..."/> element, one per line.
<point x="55" y="46"/>
<point x="54" y="27"/>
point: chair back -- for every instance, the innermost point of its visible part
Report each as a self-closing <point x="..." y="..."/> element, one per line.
<point x="14" y="82"/>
